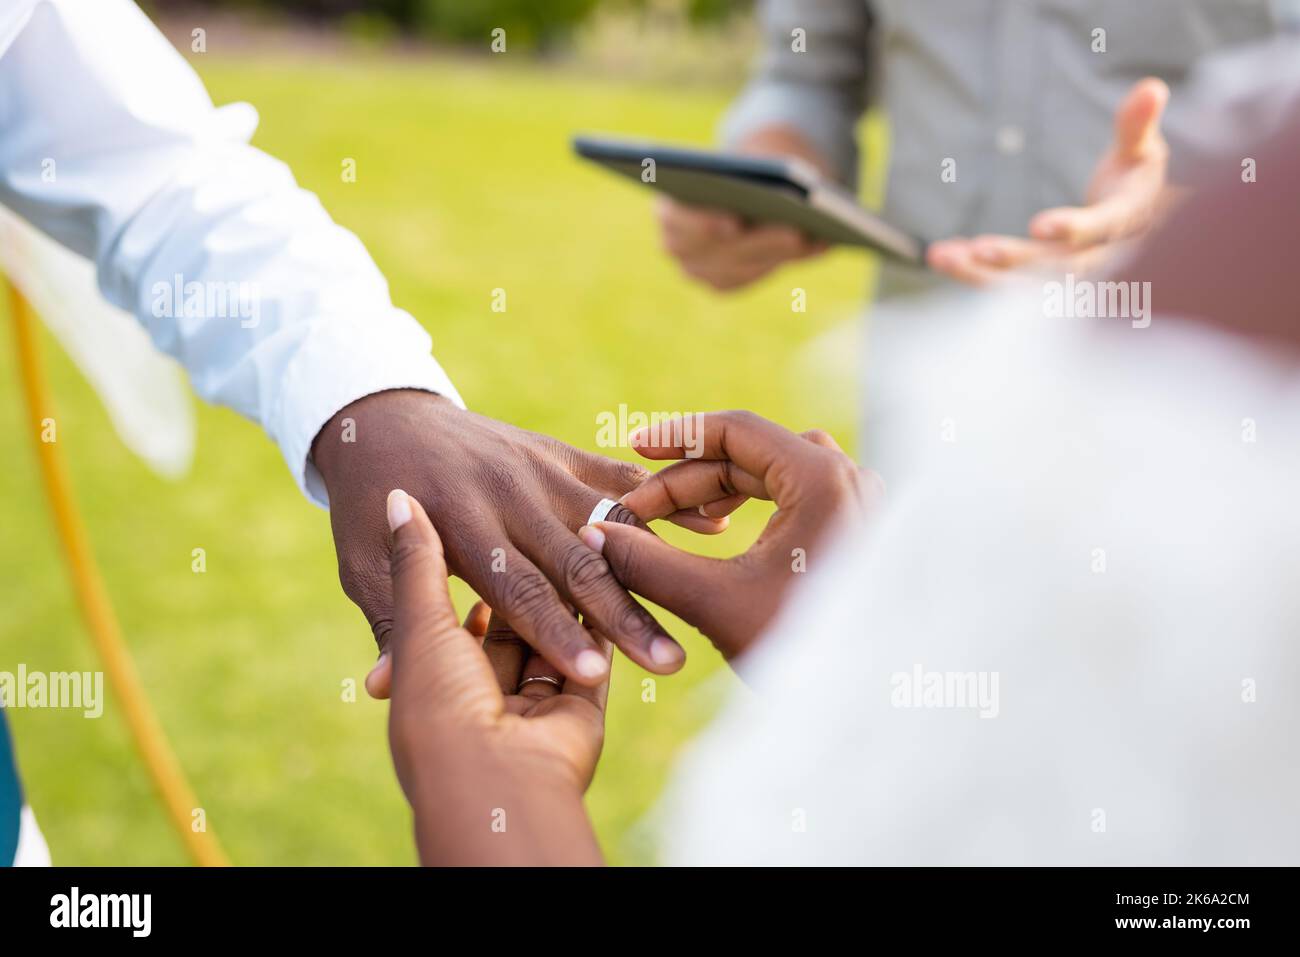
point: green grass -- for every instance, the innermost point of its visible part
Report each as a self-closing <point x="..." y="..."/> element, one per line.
<point x="465" y="184"/>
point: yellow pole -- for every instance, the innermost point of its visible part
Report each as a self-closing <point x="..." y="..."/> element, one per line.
<point x="97" y="610"/>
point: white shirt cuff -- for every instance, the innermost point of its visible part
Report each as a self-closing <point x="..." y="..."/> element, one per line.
<point x="342" y="361"/>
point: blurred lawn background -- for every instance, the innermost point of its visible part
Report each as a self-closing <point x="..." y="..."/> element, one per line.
<point x="465" y="183"/>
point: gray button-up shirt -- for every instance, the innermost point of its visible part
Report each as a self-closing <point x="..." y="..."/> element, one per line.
<point x="1014" y="98"/>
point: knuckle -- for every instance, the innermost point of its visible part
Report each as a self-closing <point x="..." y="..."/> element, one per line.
<point x="630" y="474"/>
<point x="502" y="478"/>
<point x="843" y="478"/>
<point x="740" y="418"/>
<point x="360" y="578"/>
<point x="350" y="579"/>
<point x="635" y="621"/>
<point x="523" y="595"/>
<point x="408" y="558"/>
<point x="584" y="571"/>
<point x="727" y="479"/>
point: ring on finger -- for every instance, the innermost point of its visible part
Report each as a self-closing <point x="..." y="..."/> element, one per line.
<point x="546" y="678"/>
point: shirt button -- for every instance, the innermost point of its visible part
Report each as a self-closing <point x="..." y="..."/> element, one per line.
<point x="1011" y="140"/>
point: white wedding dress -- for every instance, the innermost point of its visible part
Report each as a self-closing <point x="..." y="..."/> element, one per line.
<point x="1103" y="518"/>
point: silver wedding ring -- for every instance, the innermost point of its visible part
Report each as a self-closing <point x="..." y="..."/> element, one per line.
<point x="547" y="678"/>
<point x="601" y="511"/>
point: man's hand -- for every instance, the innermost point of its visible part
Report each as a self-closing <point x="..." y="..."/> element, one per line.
<point x="815" y="486"/>
<point x="718" y="249"/>
<point x="1126" y="196"/>
<point x="507" y="503"/>
<point x="470" y="757"/>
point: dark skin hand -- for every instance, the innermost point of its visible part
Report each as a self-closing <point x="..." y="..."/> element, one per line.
<point x="1241" y="280"/>
<point x="507" y="503"/>
<point x="476" y="745"/>
<point x="814" y="485"/>
<point x="493" y="777"/>
<point x="454" y="755"/>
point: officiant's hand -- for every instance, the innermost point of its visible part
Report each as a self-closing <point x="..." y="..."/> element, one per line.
<point x="1126" y="197"/>
<point x="815" y="487"/>
<point x="720" y="250"/>
<point x="506" y="503"/>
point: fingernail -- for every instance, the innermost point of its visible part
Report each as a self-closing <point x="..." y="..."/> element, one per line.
<point x="591" y="664"/>
<point x="592" y="537"/>
<point x="639" y="437"/>
<point x="399" y="509"/>
<point x="664" y="651"/>
<point x="704" y="513"/>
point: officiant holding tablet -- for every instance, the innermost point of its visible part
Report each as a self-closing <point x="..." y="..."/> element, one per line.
<point x="1020" y="133"/>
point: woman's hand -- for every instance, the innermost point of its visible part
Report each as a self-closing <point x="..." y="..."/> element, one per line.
<point x="494" y="760"/>
<point x="814" y="484"/>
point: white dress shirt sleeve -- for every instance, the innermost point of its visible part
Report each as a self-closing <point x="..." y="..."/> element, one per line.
<point x="112" y="146"/>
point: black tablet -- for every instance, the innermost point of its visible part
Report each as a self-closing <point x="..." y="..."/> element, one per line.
<point x="757" y="188"/>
